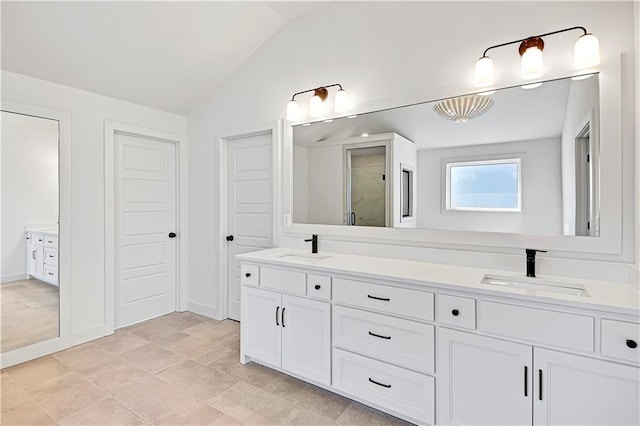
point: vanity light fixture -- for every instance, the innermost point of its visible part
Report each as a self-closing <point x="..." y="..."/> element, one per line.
<point x="586" y="54"/>
<point x="341" y="102"/>
<point x="463" y="108"/>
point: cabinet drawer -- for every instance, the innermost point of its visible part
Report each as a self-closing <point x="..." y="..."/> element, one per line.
<point x="283" y="280"/>
<point x="37" y="239"/>
<point x="50" y="274"/>
<point x="50" y="241"/>
<point x="402" y="342"/>
<point x="398" y="301"/>
<point x="621" y="340"/>
<point x="51" y="256"/>
<point x="537" y="325"/>
<point x="319" y="286"/>
<point x="457" y="311"/>
<point x="249" y="274"/>
<point x="403" y="391"/>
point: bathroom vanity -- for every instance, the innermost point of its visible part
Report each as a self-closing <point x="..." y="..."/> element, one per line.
<point x="440" y="344"/>
<point x="42" y="255"/>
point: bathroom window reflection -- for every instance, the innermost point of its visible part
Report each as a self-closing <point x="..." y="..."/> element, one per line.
<point x="491" y="185"/>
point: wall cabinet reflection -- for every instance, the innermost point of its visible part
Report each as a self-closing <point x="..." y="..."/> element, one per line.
<point x="29" y="277"/>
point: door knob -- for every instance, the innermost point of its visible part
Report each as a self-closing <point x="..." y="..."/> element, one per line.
<point x="631" y="344"/>
<point x="229" y="237"/>
<point x="172" y="234"/>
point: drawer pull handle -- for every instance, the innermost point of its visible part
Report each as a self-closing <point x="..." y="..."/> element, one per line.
<point x="33" y="254"/>
<point x="50" y="273"/>
<point x="384" y="299"/>
<point x="50" y="242"/>
<point x="50" y="255"/>
<point x="632" y="344"/>
<point x="317" y="286"/>
<point x="455" y="312"/>
<point x="379" y="384"/>
<point x="540" y="385"/>
<point x="526" y="378"/>
<point x="277" y="311"/>
<point x="378" y="335"/>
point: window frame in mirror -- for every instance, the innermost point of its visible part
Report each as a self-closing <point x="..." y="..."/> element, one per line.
<point x="63" y="340"/>
<point x="610" y="241"/>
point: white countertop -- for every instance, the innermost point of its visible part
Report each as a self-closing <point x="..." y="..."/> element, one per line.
<point x="43" y="230"/>
<point x="609" y="296"/>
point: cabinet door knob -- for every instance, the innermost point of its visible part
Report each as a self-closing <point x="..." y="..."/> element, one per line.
<point x="248" y="274"/>
<point x="317" y="286"/>
<point x="455" y="312"/>
<point x="632" y="344"/>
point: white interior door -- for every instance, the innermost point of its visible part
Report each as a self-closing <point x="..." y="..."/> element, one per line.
<point x="145" y="221"/>
<point x="250" y="205"/>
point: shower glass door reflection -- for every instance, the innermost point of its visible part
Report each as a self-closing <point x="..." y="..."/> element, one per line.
<point x="366" y="186"/>
<point x="29" y="290"/>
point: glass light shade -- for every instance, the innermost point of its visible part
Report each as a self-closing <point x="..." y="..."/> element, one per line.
<point x="586" y="52"/>
<point x="484" y="72"/>
<point x="316" y="107"/>
<point x="532" y="63"/>
<point x="293" y="111"/>
<point x="342" y="103"/>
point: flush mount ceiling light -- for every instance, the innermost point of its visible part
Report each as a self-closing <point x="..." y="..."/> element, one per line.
<point x="586" y="54"/>
<point x="463" y="108"/>
<point x="317" y="107"/>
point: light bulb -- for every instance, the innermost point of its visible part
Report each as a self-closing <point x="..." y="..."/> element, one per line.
<point x="316" y="108"/>
<point x="586" y="52"/>
<point x="293" y="111"/>
<point x="532" y="63"/>
<point x="484" y="72"/>
<point x="342" y="102"/>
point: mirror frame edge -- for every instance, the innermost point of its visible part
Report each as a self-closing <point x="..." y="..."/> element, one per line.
<point x="609" y="243"/>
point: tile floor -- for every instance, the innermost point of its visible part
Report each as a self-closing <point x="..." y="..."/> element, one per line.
<point x="29" y="313"/>
<point x="178" y="369"/>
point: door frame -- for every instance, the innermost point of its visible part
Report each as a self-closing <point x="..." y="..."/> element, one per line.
<point x="63" y="340"/>
<point x="111" y="128"/>
<point x="275" y="129"/>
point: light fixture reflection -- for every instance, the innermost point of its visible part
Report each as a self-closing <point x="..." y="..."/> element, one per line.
<point x="531" y="86"/>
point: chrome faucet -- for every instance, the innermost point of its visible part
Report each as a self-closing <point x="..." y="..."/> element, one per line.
<point x="314" y="243"/>
<point x="531" y="261"/>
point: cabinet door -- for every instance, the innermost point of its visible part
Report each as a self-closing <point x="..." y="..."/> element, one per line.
<point x="482" y="380"/>
<point x="35" y="260"/>
<point x="578" y="390"/>
<point x="306" y="344"/>
<point x="261" y="335"/>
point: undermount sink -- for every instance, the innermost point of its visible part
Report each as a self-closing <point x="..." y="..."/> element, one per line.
<point x="535" y="285"/>
<point x="302" y="258"/>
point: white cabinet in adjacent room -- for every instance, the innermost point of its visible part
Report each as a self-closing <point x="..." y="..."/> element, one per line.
<point x="287" y="331"/>
<point x="42" y="256"/>
<point x="483" y="380"/>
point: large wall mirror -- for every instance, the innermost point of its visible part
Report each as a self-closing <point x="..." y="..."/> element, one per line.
<point x="528" y="164"/>
<point x="29" y="287"/>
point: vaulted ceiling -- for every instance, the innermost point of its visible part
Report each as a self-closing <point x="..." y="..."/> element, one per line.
<point x="165" y="55"/>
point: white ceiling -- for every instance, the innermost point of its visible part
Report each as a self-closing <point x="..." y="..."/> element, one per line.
<point x="516" y="115"/>
<point x="165" y="55"/>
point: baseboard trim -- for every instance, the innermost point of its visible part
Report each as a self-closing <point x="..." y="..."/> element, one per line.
<point x="13" y="277"/>
<point x="87" y="334"/>
<point x="206" y="311"/>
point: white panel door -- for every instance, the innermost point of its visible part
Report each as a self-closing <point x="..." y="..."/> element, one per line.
<point x="145" y="217"/>
<point x="261" y="335"/>
<point x="582" y="391"/>
<point x="306" y="338"/>
<point x="250" y="205"/>
<point x="483" y="381"/>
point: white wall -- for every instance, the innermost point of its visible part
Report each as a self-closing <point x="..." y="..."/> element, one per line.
<point x="541" y="189"/>
<point x="325" y="184"/>
<point x="583" y="97"/>
<point x="382" y="52"/>
<point x="29" y="185"/>
<point x="88" y="113"/>
<point x="300" y="209"/>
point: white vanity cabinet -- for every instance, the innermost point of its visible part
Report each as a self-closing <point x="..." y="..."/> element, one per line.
<point x="484" y="380"/>
<point x="286" y="331"/>
<point x="42" y="256"/>
<point x="439" y="353"/>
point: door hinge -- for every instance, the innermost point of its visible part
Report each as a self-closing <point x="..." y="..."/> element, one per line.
<point x="384" y="177"/>
<point x="588" y="226"/>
